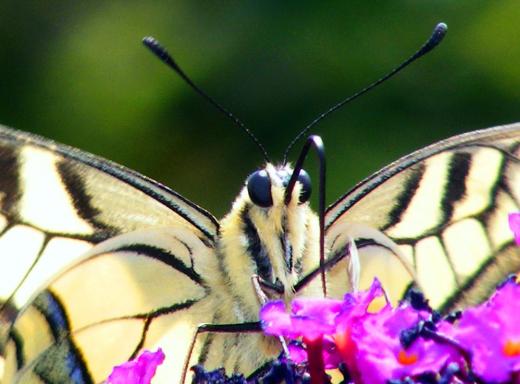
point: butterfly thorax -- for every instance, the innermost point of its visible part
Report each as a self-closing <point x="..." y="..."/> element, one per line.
<point x="276" y="243"/>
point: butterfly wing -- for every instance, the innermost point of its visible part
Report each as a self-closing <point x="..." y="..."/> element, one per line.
<point x="446" y="207"/>
<point x="116" y="282"/>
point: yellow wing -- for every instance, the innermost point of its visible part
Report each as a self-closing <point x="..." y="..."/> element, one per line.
<point x="147" y="281"/>
<point x="446" y="206"/>
<point x="57" y="203"/>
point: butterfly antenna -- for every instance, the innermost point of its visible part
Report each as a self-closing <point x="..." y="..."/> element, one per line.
<point x="159" y="51"/>
<point x="438" y="34"/>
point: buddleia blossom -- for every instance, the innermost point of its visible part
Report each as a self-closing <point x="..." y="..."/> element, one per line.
<point x="390" y="346"/>
<point x="322" y="325"/>
<point x="370" y="345"/>
<point x="138" y="371"/>
<point x="490" y="333"/>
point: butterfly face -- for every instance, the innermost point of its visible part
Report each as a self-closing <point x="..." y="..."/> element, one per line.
<point x="271" y="232"/>
<point x="260" y="183"/>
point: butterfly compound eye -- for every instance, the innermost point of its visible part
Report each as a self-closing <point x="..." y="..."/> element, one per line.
<point x="259" y="189"/>
<point x="305" y="180"/>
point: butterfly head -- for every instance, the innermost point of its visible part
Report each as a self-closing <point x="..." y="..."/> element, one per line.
<point x="271" y="232"/>
<point x="267" y="187"/>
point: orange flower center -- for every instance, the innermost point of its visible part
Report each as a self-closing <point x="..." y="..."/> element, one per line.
<point x="342" y="340"/>
<point x="345" y="346"/>
<point x="405" y="358"/>
<point x="511" y="348"/>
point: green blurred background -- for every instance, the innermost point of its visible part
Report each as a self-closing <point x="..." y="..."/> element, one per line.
<point x="77" y="73"/>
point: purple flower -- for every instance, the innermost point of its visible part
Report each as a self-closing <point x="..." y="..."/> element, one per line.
<point x="309" y="318"/>
<point x="380" y="354"/>
<point x="491" y="334"/>
<point x="325" y="321"/>
<point x="514" y="224"/>
<point x="408" y="343"/>
<point x="368" y="343"/>
<point x="312" y="318"/>
<point x="137" y="371"/>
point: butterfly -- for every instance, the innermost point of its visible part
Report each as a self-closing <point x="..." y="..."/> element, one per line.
<point x="98" y="262"/>
<point x="125" y="263"/>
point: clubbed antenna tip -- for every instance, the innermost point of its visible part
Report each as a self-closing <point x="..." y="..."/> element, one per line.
<point x="159" y="51"/>
<point x="437" y="36"/>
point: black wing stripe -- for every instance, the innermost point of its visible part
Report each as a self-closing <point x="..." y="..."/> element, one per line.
<point x="140" y="344"/>
<point x="50" y="306"/>
<point x="407" y="194"/>
<point x="9" y="186"/>
<point x="168" y="309"/>
<point x="75" y="371"/>
<point x="165" y="257"/>
<point x="456" y="186"/>
<point x="81" y="200"/>
<point x="17" y="340"/>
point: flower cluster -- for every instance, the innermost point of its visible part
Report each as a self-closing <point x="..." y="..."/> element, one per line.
<point x="407" y="344"/>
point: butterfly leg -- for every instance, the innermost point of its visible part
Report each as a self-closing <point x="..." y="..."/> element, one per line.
<point x="262" y="298"/>
<point x="260" y="294"/>
<point x="353" y="267"/>
<point x="265" y="290"/>
<point x="248" y="327"/>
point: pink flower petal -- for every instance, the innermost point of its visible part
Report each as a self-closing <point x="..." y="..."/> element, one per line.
<point x="137" y="371"/>
<point x="486" y="331"/>
<point x="514" y="224"/>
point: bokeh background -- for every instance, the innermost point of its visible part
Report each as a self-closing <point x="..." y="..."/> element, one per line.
<point x="76" y="72"/>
